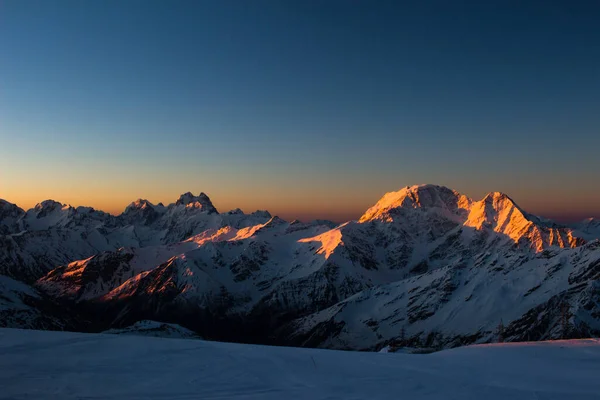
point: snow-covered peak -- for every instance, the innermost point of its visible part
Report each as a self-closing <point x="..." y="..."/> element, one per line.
<point x="142" y="211"/>
<point x="418" y="196"/>
<point x="496" y="212"/>
<point x="50" y="205"/>
<point x="51" y="214"/>
<point x="139" y="204"/>
<point x="49" y="208"/>
<point x="500" y="213"/>
<point x="202" y="201"/>
<point x="498" y="197"/>
<point x="493" y="208"/>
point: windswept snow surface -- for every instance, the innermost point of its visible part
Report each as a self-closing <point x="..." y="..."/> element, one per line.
<point x="59" y="365"/>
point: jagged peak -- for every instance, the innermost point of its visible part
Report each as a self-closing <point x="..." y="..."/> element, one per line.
<point x="495" y="196"/>
<point x="496" y="209"/>
<point x="418" y="196"/>
<point x="51" y="205"/>
<point x="500" y="213"/>
<point x="185" y="198"/>
<point x="499" y="198"/>
<point x="189" y="197"/>
<point x="139" y="204"/>
<point x="500" y="201"/>
<point x="202" y="201"/>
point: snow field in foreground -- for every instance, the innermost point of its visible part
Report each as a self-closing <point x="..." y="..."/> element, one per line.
<point x="60" y="365"/>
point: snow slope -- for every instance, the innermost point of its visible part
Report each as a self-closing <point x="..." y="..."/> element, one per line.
<point x="24" y="307"/>
<point x="58" y="365"/>
<point x="451" y="306"/>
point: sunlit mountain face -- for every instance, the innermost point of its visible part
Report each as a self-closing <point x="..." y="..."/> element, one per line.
<point x="425" y="265"/>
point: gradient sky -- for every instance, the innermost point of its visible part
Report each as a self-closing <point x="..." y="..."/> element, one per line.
<point x="305" y="108"/>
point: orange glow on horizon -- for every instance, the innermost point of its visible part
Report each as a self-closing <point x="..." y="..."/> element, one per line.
<point x="297" y="203"/>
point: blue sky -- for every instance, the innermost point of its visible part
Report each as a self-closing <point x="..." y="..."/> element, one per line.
<point x="308" y="108"/>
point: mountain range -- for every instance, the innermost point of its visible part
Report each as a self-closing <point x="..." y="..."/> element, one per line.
<point x="425" y="266"/>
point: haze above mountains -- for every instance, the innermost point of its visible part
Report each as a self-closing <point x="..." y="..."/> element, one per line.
<point x="425" y="266"/>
